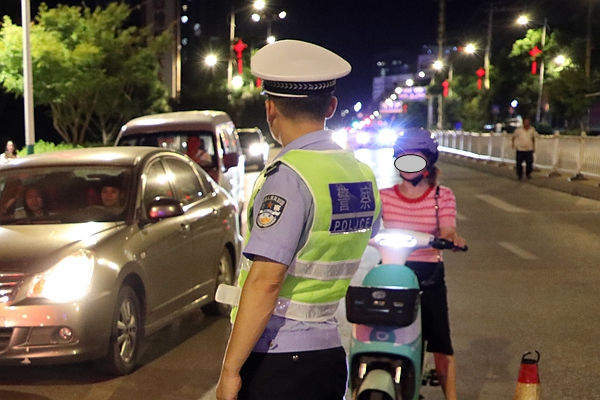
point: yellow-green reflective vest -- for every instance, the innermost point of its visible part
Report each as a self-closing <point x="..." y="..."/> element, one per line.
<point x="346" y="203"/>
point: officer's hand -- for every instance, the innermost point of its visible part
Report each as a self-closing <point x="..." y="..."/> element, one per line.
<point x="228" y="386"/>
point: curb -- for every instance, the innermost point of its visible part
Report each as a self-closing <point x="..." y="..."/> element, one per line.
<point x="588" y="188"/>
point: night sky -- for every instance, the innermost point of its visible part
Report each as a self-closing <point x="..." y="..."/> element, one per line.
<point x="361" y="30"/>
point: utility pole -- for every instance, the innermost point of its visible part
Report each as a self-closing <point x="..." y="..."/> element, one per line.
<point x="488" y="49"/>
<point x="541" y="78"/>
<point x="441" y="35"/>
<point x="588" y="40"/>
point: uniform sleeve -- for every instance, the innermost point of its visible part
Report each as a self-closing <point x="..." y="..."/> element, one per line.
<point x="280" y="216"/>
<point x="447" y="210"/>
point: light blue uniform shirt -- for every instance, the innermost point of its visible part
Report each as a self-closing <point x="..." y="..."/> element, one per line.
<point x="281" y="241"/>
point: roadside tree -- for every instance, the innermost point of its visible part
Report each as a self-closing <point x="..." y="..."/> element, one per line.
<point x="93" y="70"/>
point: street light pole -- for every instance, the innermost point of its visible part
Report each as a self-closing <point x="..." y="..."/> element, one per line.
<point x="541" y="82"/>
<point x="27" y="77"/>
<point x="488" y="49"/>
<point x="230" y="48"/>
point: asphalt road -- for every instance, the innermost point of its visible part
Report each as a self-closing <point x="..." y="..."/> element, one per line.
<point x="528" y="282"/>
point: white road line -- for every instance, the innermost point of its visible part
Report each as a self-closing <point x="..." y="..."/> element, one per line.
<point x="461" y="217"/>
<point x="524" y="254"/>
<point x="501" y="204"/>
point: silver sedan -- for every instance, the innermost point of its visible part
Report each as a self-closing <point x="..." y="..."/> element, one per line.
<point x="100" y="247"/>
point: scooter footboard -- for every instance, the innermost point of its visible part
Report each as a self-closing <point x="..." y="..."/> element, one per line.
<point x="391" y="306"/>
<point x="368" y="373"/>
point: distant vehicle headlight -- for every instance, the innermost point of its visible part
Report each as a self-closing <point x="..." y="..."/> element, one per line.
<point x="387" y="137"/>
<point x="256" y="149"/>
<point x="363" y="137"/>
<point x="70" y="279"/>
<point x="340" y="137"/>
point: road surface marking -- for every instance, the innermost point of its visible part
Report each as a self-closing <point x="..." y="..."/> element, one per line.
<point x="524" y="254"/>
<point x="501" y="204"/>
<point x="461" y="217"/>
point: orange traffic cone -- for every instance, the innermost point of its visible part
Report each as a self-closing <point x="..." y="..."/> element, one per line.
<point x="528" y="384"/>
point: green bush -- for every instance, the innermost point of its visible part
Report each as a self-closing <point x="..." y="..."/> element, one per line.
<point x="47" y="147"/>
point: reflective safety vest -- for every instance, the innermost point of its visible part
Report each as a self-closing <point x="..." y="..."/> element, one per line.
<point x="346" y="203"/>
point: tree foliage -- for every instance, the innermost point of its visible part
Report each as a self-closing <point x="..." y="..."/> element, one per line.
<point x="93" y="70"/>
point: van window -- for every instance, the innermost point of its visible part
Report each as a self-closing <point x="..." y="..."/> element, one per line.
<point x="229" y="140"/>
<point x="175" y="140"/>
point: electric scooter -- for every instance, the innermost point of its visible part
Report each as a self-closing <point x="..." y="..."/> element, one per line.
<point x="386" y="348"/>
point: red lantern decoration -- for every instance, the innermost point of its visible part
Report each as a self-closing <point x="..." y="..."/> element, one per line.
<point x="534" y="53"/>
<point x="480" y="74"/>
<point x="445" y="85"/>
<point x="239" y="47"/>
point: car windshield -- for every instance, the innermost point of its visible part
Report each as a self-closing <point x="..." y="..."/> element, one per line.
<point x="66" y="194"/>
<point x="249" y="138"/>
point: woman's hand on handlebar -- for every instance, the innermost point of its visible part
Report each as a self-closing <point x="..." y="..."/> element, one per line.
<point x="449" y="233"/>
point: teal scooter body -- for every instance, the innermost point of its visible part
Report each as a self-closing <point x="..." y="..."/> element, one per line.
<point x="385" y="354"/>
<point x="385" y="357"/>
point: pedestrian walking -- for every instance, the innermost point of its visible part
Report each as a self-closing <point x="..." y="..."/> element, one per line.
<point x="310" y="217"/>
<point x="523" y="141"/>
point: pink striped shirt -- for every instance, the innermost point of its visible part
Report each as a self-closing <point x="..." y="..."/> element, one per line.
<point x="418" y="214"/>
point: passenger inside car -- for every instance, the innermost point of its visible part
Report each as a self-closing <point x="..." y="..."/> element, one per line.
<point x="11" y="195"/>
<point x="196" y="150"/>
<point x="112" y="196"/>
<point x="34" y="204"/>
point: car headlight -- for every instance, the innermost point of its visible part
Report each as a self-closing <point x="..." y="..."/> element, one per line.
<point x="363" y="137"/>
<point x="70" y="279"/>
<point x="387" y="137"/>
<point x="256" y="149"/>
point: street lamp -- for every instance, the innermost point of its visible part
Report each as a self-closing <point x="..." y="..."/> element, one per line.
<point x="523" y="20"/>
<point x="269" y="19"/>
<point x="258" y="5"/>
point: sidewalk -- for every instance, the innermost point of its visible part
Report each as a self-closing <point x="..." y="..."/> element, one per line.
<point x="589" y="188"/>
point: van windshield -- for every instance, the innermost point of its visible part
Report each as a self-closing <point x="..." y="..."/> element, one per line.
<point x="198" y="145"/>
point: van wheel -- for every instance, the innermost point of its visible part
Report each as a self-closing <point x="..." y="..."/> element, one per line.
<point x="225" y="275"/>
<point x="126" y="334"/>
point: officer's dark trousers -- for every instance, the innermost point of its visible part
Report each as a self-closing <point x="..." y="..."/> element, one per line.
<point x="309" y="375"/>
<point x="527" y="157"/>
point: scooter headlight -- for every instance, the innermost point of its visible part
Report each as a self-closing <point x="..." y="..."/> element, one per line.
<point x="396" y="241"/>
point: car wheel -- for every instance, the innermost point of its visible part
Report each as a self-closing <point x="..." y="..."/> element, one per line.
<point x="225" y="275"/>
<point x="126" y="334"/>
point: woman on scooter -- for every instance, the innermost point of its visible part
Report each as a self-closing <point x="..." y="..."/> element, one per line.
<point x="418" y="203"/>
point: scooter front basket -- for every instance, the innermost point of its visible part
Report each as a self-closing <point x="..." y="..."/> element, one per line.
<point x="389" y="306"/>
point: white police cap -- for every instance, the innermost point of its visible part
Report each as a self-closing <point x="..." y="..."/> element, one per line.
<point x="292" y="68"/>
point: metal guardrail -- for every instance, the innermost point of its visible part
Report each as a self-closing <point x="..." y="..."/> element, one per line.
<point x="575" y="155"/>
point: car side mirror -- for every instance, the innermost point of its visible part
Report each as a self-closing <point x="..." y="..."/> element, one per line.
<point x="164" y="207"/>
<point x="231" y="160"/>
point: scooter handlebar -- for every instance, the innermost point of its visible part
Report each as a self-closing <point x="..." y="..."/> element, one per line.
<point x="441" y="244"/>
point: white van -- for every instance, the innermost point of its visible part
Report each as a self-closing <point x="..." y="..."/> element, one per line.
<point x="181" y="130"/>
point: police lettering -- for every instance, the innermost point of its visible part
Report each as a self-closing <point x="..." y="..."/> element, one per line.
<point x="351" y="224"/>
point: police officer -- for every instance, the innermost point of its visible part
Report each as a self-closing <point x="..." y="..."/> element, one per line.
<point x="311" y="214"/>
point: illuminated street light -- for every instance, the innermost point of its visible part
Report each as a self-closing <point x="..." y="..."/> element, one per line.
<point x="438" y="65"/>
<point x="523" y="20"/>
<point x="410" y="82"/>
<point x="210" y="60"/>
<point x="237" y="82"/>
<point x="470" y="48"/>
<point x="560" y="60"/>
<point x="271" y="39"/>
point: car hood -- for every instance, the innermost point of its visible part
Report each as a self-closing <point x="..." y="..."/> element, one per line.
<point x="32" y="249"/>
